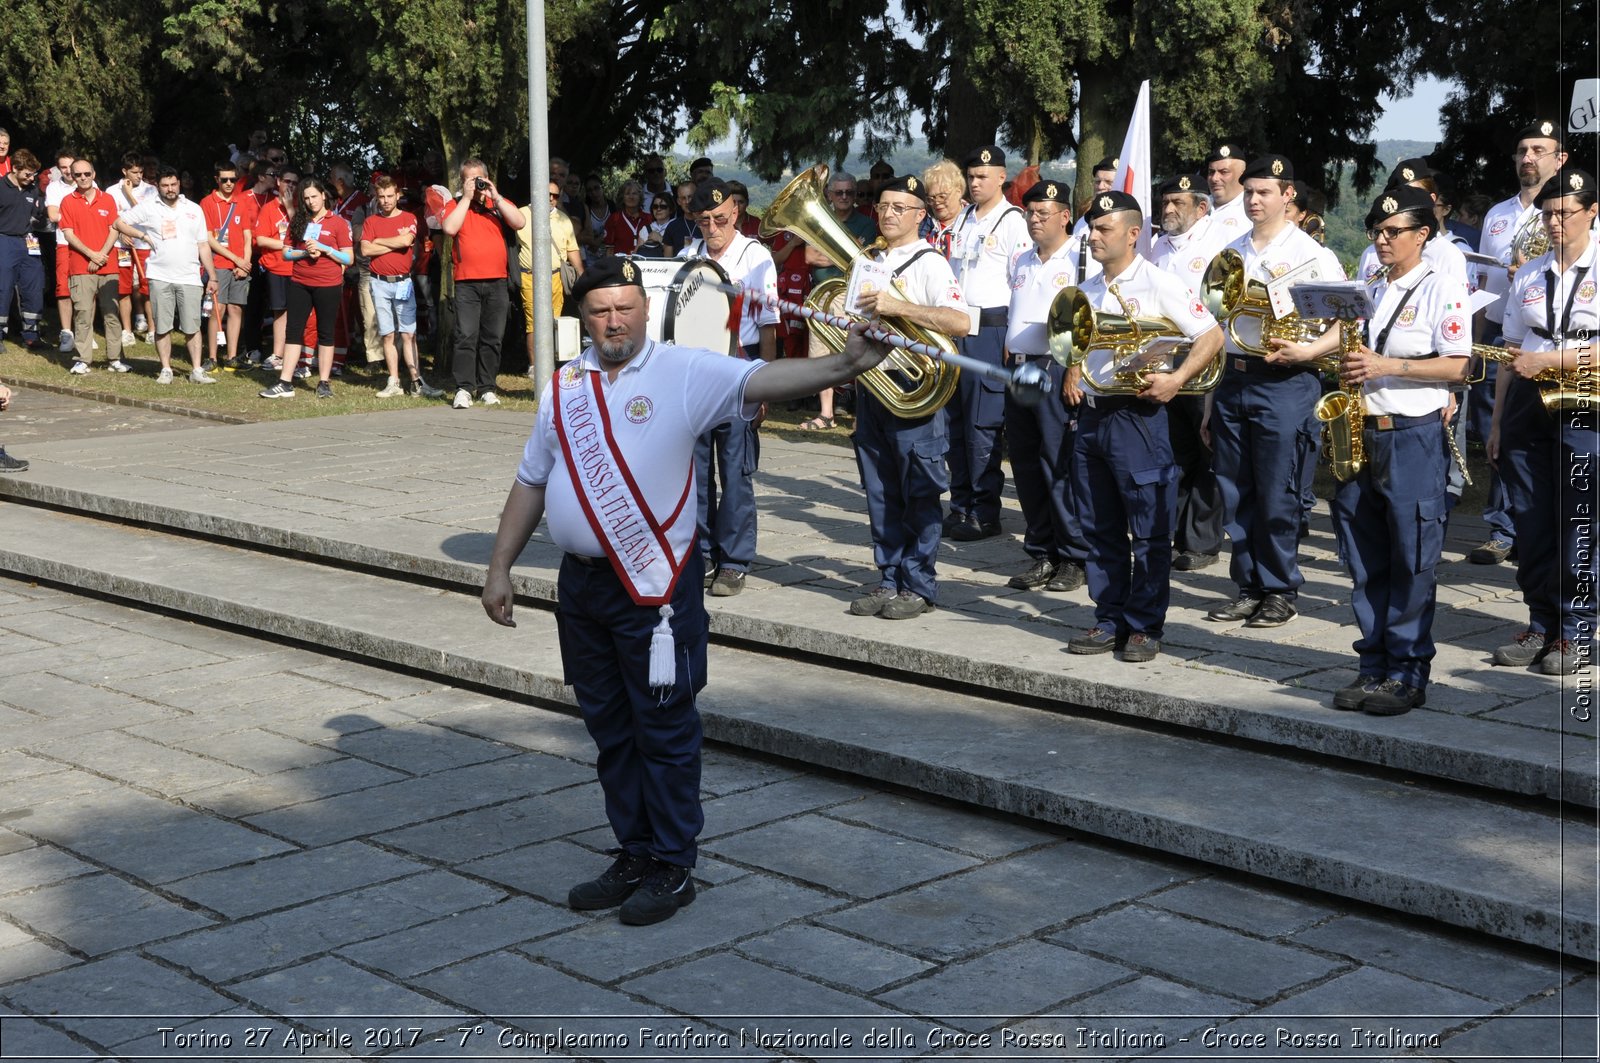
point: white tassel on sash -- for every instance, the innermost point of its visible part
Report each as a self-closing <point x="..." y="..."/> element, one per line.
<point x="663" y="664"/>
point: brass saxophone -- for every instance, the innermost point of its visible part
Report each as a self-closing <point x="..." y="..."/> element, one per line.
<point x="1576" y="390"/>
<point x="1342" y="413"/>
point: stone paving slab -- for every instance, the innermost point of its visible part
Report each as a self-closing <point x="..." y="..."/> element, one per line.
<point x="1263" y="686"/>
<point x="985" y="950"/>
<point x="1450" y="855"/>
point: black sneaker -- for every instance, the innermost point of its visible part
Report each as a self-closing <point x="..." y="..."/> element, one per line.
<point x="1095" y="640"/>
<point x="665" y="889"/>
<point x="1191" y="560"/>
<point x="324" y="390"/>
<point x="1492" y="552"/>
<point x="1241" y="608"/>
<point x="1392" y="698"/>
<point x="1140" y="648"/>
<point x="1069" y="577"/>
<point x="10" y="464"/>
<point x="1275" y="611"/>
<point x="615" y="884"/>
<point x="1349" y="699"/>
<point x="1041" y="572"/>
<point x="1527" y="648"/>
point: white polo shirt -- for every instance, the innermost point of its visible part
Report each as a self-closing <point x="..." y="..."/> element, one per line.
<point x="180" y="230"/>
<point x="982" y="251"/>
<point x="1425" y="312"/>
<point x="1231" y="220"/>
<point x="1148" y="292"/>
<point x="1534" y="299"/>
<point x="664" y="399"/>
<point x="748" y="263"/>
<point x="1187" y="255"/>
<point x="127" y="202"/>
<point x="1500" y="226"/>
<point x="928" y="280"/>
<point x="1035" y="283"/>
<point x="1287" y="250"/>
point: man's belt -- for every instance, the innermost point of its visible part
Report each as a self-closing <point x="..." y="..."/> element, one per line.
<point x="1245" y="363"/>
<point x="1389" y="422"/>
<point x="990" y="316"/>
<point x="589" y="562"/>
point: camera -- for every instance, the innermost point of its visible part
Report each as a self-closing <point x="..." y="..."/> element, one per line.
<point x="483" y="184"/>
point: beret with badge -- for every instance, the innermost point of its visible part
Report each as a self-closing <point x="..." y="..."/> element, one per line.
<point x="1226" y="152"/>
<point x="1047" y="191"/>
<point x="1568" y="179"/>
<point x="611" y="271"/>
<point x="1111" y="203"/>
<point x="1401" y="200"/>
<point x="1177" y="184"/>
<point x="1110" y="162"/>
<point x="1544" y="129"/>
<point x="907" y="185"/>
<point x="709" y="195"/>
<point x="1408" y="170"/>
<point x="1271" y="167"/>
<point x="988" y="155"/>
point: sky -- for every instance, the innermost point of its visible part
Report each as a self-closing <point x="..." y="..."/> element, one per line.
<point x="1414" y="118"/>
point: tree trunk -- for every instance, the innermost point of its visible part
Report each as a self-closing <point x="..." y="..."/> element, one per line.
<point x="1095" y="125"/>
<point x="973" y="119"/>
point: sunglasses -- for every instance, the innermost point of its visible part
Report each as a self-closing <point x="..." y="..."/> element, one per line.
<point x="227" y="180"/>
<point x="83" y="173"/>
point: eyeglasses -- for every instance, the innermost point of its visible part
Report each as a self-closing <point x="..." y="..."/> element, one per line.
<point x="1042" y="213"/>
<point x="715" y="222"/>
<point x="1561" y="215"/>
<point x="841" y="191"/>
<point x="554" y="198"/>
<point x="895" y="209"/>
<point x="271" y="173"/>
<point x="939" y="197"/>
<point x="1536" y="152"/>
<point x="1390" y="233"/>
<point x="277" y="160"/>
<point x="227" y="180"/>
<point x="83" y="173"/>
<point x="653" y="206"/>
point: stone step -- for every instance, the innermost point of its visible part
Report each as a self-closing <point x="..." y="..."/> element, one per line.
<point x="1513" y="869"/>
<point x="1515" y="749"/>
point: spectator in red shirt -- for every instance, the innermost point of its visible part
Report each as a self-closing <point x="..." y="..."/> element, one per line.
<point x="748" y="224"/>
<point x="319" y="251"/>
<point x="86" y="222"/>
<point x="231" y="217"/>
<point x="477" y="224"/>
<point x="5" y="152"/>
<point x="133" y="286"/>
<point x="272" y="237"/>
<point x="629" y="224"/>
<point x="389" y="238"/>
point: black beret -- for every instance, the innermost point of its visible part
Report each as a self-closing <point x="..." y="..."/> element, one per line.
<point x="988" y="155"/>
<point x="709" y="195"/>
<point x="1568" y="179"/>
<point x="1107" y="163"/>
<point x="701" y="161"/>
<point x="1543" y="129"/>
<point x="1273" y="167"/>
<point x="1049" y="191"/>
<point x="611" y="271"/>
<point x="1399" y="201"/>
<point x="1226" y="151"/>
<point x="909" y="185"/>
<point x="1407" y="170"/>
<point x="1110" y="203"/>
<point x="1192" y="184"/>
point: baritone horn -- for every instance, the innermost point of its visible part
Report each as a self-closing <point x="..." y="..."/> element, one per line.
<point x="908" y="384"/>
<point x="1077" y="331"/>
<point x="1246" y="312"/>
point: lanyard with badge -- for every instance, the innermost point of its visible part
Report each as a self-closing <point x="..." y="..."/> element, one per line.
<point x="1405" y="297"/>
<point x="1550" y="332"/>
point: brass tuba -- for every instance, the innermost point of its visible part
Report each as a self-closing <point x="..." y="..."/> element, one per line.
<point x="1076" y="330"/>
<point x="908" y="384"/>
<point x="1246" y="312"/>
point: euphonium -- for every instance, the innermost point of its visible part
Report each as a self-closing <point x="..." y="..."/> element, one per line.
<point x="1530" y="241"/>
<point x="1076" y="329"/>
<point x="1342" y="414"/>
<point x="1246" y="312"/>
<point x="908" y="384"/>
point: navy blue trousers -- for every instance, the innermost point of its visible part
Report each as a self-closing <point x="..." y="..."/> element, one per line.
<point x="902" y="471"/>
<point x="977" y="424"/>
<point x="725" y="462"/>
<point x="1127" y="488"/>
<point x="1478" y="415"/>
<point x="22" y="273"/>
<point x="1040" y="442"/>
<point x="648" y="742"/>
<point x="1548" y="466"/>
<point x="1262" y="430"/>
<point x="1199" y="523"/>
<point x="1390" y="523"/>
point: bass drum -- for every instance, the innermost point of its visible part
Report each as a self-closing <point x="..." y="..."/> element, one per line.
<point x="684" y="307"/>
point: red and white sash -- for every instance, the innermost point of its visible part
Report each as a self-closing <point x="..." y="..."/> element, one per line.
<point x="612" y="501"/>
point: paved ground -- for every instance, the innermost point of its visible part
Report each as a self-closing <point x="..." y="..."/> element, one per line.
<point x="239" y="839"/>
<point x="196" y="823"/>
<point x="43" y="417"/>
